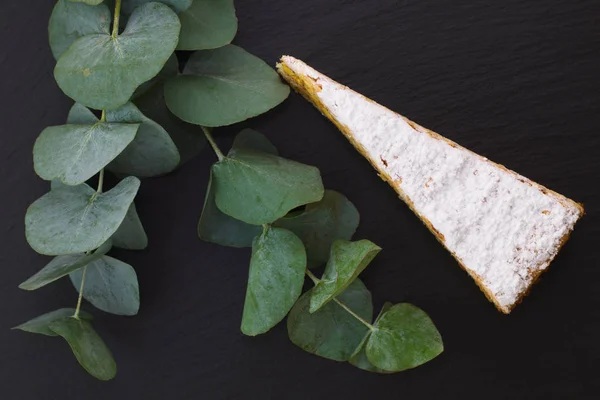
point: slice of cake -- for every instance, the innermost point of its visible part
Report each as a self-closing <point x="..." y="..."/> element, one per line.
<point x="503" y="229"/>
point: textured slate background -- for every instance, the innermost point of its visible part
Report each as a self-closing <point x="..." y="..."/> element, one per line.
<point x="516" y="81"/>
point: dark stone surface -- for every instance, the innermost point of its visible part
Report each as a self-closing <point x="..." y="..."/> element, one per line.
<point x="516" y="81"/>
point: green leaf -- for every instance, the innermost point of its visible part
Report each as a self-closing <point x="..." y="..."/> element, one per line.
<point x="41" y="324"/>
<point x="219" y="228"/>
<point x="131" y="234"/>
<point x="75" y="153"/>
<point x="188" y="138"/>
<point x="207" y="24"/>
<point x="151" y="153"/>
<point x="110" y="285"/>
<point x="102" y="72"/>
<point x="347" y="261"/>
<point x="81" y="115"/>
<point x="359" y="357"/>
<point x="320" y="224"/>
<point x="76" y="219"/>
<point x="260" y="188"/>
<point x="62" y="266"/>
<point x="249" y="139"/>
<point x="170" y="69"/>
<point x="331" y="332"/>
<point x="87" y="346"/>
<point x="275" y="279"/>
<point x="224" y="86"/>
<point x="404" y="337"/>
<point x="70" y="21"/>
<point x="177" y="5"/>
<point x="90" y="2"/>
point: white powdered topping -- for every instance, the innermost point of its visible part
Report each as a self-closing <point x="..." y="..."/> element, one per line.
<point x="499" y="225"/>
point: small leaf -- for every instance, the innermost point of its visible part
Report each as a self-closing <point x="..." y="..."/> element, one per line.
<point x="260" y="188"/>
<point x="110" y="285"/>
<point x="131" y="234"/>
<point x="347" y="261"/>
<point x="331" y="332"/>
<point x="359" y="357"/>
<point x="62" y="266"/>
<point x="207" y="24"/>
<point x="249" y="139"/>
<point x="87" y="346"/>
<point x="102" y="72"/>
<point x="320" y="224"/>
<point x="75" y="153"/>
<point x="224" y="86"/>
<point x="188" y="138"/>
<point x="219" y="228"/>
<point x="70" y="21"/>
<point x="275" y="280"/>
<point x="404" y="337"/>
<point x="41" y="324"/>
<point x="151" y="153"/>
<point x="76" y="219"/>
<point x="177" y="5"/>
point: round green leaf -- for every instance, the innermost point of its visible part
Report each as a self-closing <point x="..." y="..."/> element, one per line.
<point x="87" y="346"/>
<point x="331" y="332"/>
<point x="249" y="139"/>
<point x="347" y="261"/>
<point x="359" y="357"/>
<point x="62" y="266"/>
<point x="41" y="324"/>
<point x="76" y="219"/>
<point x="275" y="279"/>
<point x="102" y="72"/>
<point x="207" y="24"/>
<point x="224" y="86"/>
<point x="404" y="337"/>
<point x="188" y="138"/>
<point x="151" y="153"/>
<point x="321" y="223"/>
<point x="110" y="285"/>
<point x="177" y="5"/>
<point x="90" y="2"/>
<point x="75" y="153"/>
<point x="70" y="21"/>
<point x="219" y="228"/>
<point x="131" y="234"/>
<point x="260" y="188"/>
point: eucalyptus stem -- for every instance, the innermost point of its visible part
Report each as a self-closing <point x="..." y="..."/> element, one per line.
<point x="345" y="307"/>
<point x="100" y="181"/>
<point x="312" y="277"/>
<point x="103" y="117"/>
<point x="76" y="315"/>
<point x="212" y="143"/>
<point x="355" y="315"/>
<point x="115" y="31"/>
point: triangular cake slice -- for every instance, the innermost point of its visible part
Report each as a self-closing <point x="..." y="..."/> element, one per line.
<point x="503" y="229"/>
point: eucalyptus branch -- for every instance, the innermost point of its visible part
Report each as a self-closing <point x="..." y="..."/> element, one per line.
<point x="76" y="315"/>
<point x="212" y="143"/>
<point x="344" y="306"/>
<point x="115" y="30"/>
